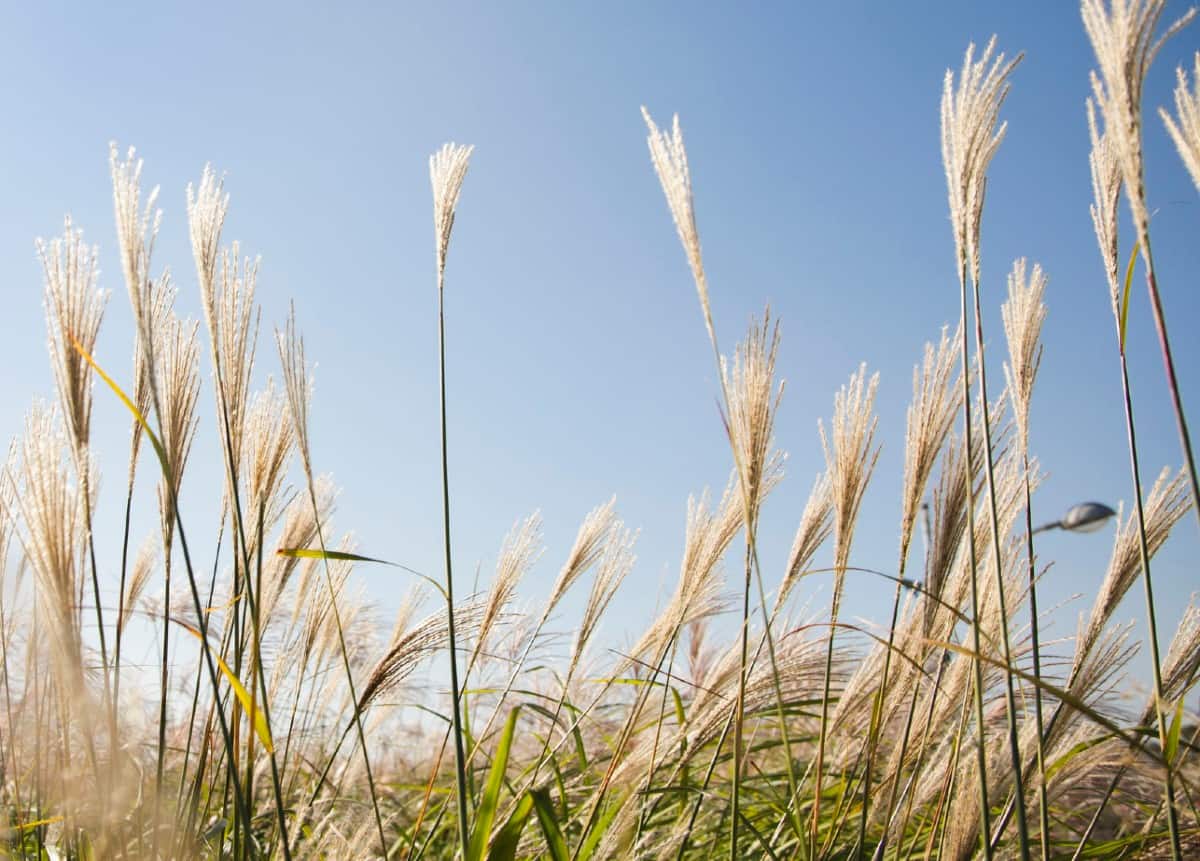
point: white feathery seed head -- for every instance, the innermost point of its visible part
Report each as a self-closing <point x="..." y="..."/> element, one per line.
<point x="753" y="402"/>
<point x="1122" y="36"/>
<point x="930" y="417"/>
<point x="586" y="551"/>
<point x="447" y="170"/>
<point x="970" y="137"/>
<point x="669" y="157"/>
<point x="1186" y="131"/>
<point x="51" y="508"/>
<point x="816" y="522"/>
<point x="1182" y="660"/>
<point x="297" y="384"/>
<point x="137" y="228"/>
<point x="1106" y="198"/>
<point x="850" y="458"/>
<point x="1023" y="315"/>
<point x="74" y="308"/>
<point x="207" y="205"/>
<point x="521" y="549"/>
<point x="616" y="562"/>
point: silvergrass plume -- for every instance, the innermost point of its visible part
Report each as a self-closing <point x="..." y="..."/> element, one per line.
<point x="850" y="458"/>
<point x="1023" y="315"/>
<point x="447" y="170"/>
<point x="521" y="549"/>
<point x="929" y="420"/>
<point x="1182" y="660"/>
<point x="970" y="137"/>
<point x="615" y="564"/>
<point x="74" y="309"/>
<point x="160" y="299"/>
<point x="137" y="229"/>
<point x="1167" y="502"/>
<point x="177" y="353"/>
<point x="753" y="403"/>
<point x="587" y="550"/>
<point x="1186" y="132"/>
<point x="410" y="647"/>
<point x="1106" y="198"/>
<point x="139" y="577"/>
<point x="816" y="523"/>
<point x="51" y="510"/>
<point x="671" y="164"/>
<point x="1122" y="36"/>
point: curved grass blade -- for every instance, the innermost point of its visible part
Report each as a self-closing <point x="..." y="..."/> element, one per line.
<point x="593" y="839"/>
<point x="38" y="823"/>
<point x="1066" y="696"/>
<point x="1133" y="258"/>
<point x="504" y="847"/>
<point x="137" y="414"/>
<point x="556" y="845"/>
<point x="1173" y="733"/>
<point x="260" y="721"/>
<point x="485" y="814"/>
<point x="342" y="556"/>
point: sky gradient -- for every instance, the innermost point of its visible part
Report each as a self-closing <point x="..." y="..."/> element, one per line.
<point x="578" y="364"/>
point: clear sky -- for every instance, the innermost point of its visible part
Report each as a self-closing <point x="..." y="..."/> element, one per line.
<point x="578" y="364"/>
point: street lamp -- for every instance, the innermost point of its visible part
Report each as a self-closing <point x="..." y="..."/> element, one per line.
<point x="1084" y="517"/>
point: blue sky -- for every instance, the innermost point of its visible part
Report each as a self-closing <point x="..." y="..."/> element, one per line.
<point x="578" y="364"/>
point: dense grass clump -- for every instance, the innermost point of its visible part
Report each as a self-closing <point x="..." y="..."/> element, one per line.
<point x="954" y="733"/>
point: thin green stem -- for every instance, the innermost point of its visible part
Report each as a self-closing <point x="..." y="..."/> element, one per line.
<point x="997" y="553"/>
<point x="460" y="760"/>
<point x="740" y="711"/>
<point x="1151" y="620"/>
<point x="1160" y="325"/>
<point x="1043" y="806"/>
<point x="980" y="739"/>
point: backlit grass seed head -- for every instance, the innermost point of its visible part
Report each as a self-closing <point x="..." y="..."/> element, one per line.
<point x="1122" y="36"/>
<point x="697" y="593"/>
<point x="1023" y="315"/>
<point x="233" y="319"/>
<point x="74" y="308"/>
<point x="1183" y="656"/>
<point x="671" y="164"/>
<point x="753" y="402"/>
<point x="51" y="510"/>
<point x="269" y="443"/>
<point x="616" y="561"/>
<point x="1167" y="502"/>
<point x="816" y="522"/>
<point x="521" y="549"/>
<point x="139" y="577"/>
<point x="207" y="205"/>
<point x="160" y="300"/>
<point x="297" y="384"/>
<point x="587" y="550"/>
<point x="178" y="355"/>
<point x="930" y="416"/>
<point x="1186" y="130"/>
<point x="137" y="229"/>
<point x="410" y="647"/>
<point x="850" y="458"/>
<point x="447" y="170"/>
<point x="1106" y="198"/>
<point x="970" y="137"/>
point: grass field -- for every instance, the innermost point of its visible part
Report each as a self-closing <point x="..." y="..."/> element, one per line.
<point x="954" y="731"/>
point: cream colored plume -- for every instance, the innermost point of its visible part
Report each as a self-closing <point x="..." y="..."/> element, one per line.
<point x="447" y="170"/>
<point x="1186" y="132"/>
